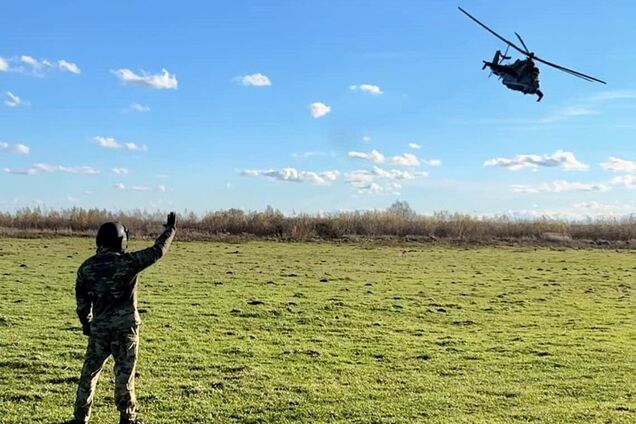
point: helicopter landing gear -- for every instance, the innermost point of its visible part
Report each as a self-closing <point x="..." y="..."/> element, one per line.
<point x="539" y="95"/>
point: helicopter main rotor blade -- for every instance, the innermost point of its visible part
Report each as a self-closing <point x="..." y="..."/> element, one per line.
<point x="569" y="71"/>
<point x="510" y="43"/>
<point x="522" y="43"/>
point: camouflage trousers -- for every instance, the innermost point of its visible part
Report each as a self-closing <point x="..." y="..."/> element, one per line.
<point x="123" y="346"/>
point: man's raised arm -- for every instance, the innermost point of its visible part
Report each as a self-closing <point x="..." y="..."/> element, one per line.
<point x="146" y="257"/>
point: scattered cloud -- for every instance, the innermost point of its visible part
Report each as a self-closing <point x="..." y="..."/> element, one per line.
<point x="432" y="162"/>
<point x="366" y="181"/>
<point x="162" y="81"/>
<point x="86" y="170"/>
<point x="120" y="171"/>
<point x="378" y="189"/>
<point x="366" y="88"/>
<point x="559" y="187"/>
<point x="367" y="176"/>
<point x="30" y="61"/>
<point x="305" y="155"/>
<point x="613" y="95"/>
<point x="111" y="143"/>
<point x="415" y="146"/>
<point x="68" y="66"/>
<point x="19" y="149"/>
<point x="319" y="109"/>
<point x="628" y="180"/>
<point x="405" y="159"/>
<point x="293" y="175"/>
<point x="72" y="199"/>
<point x="565" y="160"/>
<point x="25" y="171"/>
<point x="12" y="100"/>
<point x="47" y="168"/>
<point x="373" y="156"/>
<point x="38" y="67"/>
<point x="122" y="186"/>
<point x="366" y="139"/>
<point x="569" y="112"/>
<point x="582" y="211"/>
<point x="137" y="107"/>
<point x="254" y="80"/>
<point x="619" y="165"/>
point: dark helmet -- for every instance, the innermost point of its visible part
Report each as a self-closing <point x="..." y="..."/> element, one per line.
<point x="113" y="236"/>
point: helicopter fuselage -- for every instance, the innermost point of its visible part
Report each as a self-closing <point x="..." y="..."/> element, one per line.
<point x="521" y="75"/>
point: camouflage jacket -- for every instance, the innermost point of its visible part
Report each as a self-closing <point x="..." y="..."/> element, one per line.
<point x="106" y="287"/>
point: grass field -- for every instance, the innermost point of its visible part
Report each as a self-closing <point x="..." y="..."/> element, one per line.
<point x="267" y="332"/>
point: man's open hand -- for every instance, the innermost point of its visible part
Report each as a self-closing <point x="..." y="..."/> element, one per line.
<point x="172" y="220"/>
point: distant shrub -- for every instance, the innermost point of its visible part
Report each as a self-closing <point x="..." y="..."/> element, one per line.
<point x="399" y="221"/>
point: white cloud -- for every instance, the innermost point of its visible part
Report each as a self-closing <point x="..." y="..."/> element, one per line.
<point x="373" y="156"/>
<point x="628" y="180"/>
<point x="137" y="107"/>
<point x="365" y="181"/>
<point x="162" y="188"/>
<point x="366" y="139"/>
<point x="569" y="112"/>
<point x="614" y="95"/>
<point x="415" y="146"/>
<point x="20" y="149"/>
<point x="378" y="189"/>
<point x="255" y="80"/>
<point x="39" y="66"/>
<point x="293" y="175"/>
<point x="46" y="168"/>
<point x="111" y="143"/>
<point x="12" y="100"/>
<point x="119" y="186"/>
<point x="29" y="60"/>
<point x="619" y="165"/>
<point x="27" y="171"/>
<point x="319" y="109"/>
<point x="364" y="175"/>
<point x="565" y="160"/>
<point x="406" y="159"/>
<point x="433" y="162"/>
<point x="583" y="211"/>
<point x="559" y="187"/>
<point x="86" y="170"/>
<point x="72" y="199"/>
<point x="120" y="171"/>
<point x="367" y="88"/>
<point x="163" y="80"/>
<point x="68" y="66"/>
<point x="140" y="188"/>
<point x="4" y="65"/>
<point x="305" y="155"/>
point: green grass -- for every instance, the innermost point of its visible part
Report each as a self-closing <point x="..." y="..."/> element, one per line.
<point x="322" y="333"/>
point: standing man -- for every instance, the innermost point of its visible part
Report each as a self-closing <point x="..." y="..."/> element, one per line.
<point x="106" y="294"/>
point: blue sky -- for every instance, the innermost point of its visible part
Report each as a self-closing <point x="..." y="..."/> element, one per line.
<point x="90" y="118"/>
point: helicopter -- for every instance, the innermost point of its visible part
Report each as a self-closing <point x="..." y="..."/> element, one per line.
<point x="522" y="74"/>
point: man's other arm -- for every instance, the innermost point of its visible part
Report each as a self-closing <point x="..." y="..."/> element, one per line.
<point x="84" y="302"/>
